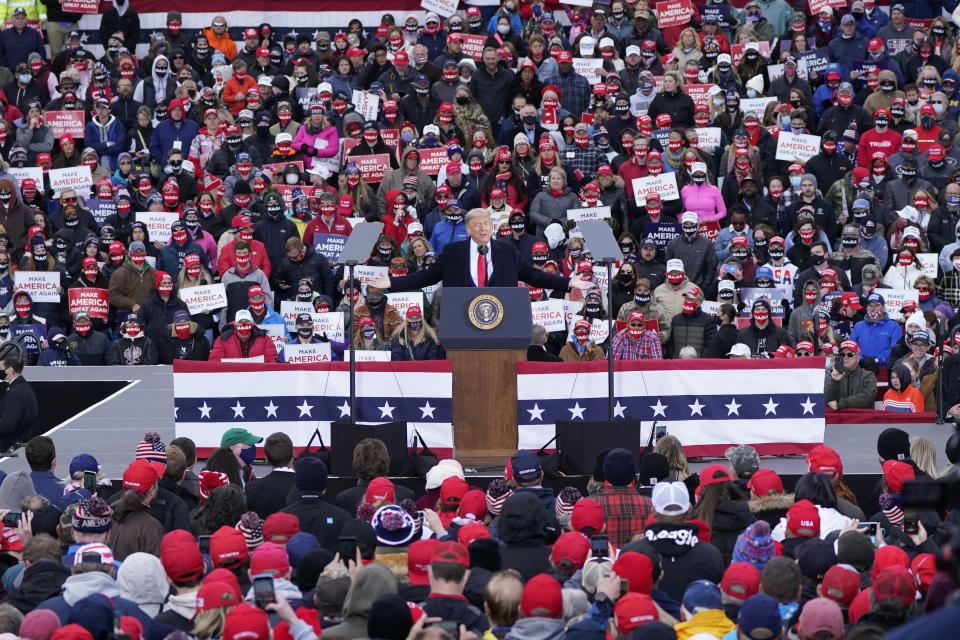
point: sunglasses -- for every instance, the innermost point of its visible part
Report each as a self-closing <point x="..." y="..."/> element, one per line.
<point x="847" y="354"/>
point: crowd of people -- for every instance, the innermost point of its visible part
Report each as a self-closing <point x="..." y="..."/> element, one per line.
<point x="267" y="150"/>
<point x="649" y="549"/>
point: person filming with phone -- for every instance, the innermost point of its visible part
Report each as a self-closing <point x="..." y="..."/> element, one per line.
<point x="847" y="385"/>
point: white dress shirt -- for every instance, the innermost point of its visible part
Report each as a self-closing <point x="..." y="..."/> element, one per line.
<point x="473" y="261"/>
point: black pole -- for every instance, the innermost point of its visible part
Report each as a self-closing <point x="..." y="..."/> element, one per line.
<point x="353" y="356"/>
<point x="941" y="343"/>
<point x="610" y="343"/>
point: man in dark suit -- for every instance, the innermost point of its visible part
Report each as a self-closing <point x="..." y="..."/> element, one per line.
<point x="537" y="352"/>
<point x="268" y="495"/>
<point x="480" y="262"/>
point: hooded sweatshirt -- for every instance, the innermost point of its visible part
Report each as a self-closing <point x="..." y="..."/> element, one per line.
<point x="371" y="582"/>
<point x="16" y="488"/>
<point x="142" y="580"/>
<point x="536" y="629"/>
<point x="520" y="527"/>
<point x="80" y="586"/>
<point x="683" y="556"/>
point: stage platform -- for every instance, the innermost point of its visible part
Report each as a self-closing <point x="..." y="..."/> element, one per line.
<point x="126" y="402"/>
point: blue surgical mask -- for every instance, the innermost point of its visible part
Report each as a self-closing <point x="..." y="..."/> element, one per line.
<point x="247" y="455"/>
<point x="795" y="182"/>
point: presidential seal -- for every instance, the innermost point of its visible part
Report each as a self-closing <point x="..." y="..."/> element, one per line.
<point x="485" y="312"/>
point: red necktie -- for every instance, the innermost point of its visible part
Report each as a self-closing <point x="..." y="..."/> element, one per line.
<point x="481" y="271"/>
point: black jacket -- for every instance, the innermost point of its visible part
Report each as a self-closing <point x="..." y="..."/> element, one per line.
<point x="521" y="527"/>
<point x="765" y="340"/>
<point x="91" y="349"/>
<point x="691" y="329"/>
<point x="314" y="265"/>
<point x="19" y="414"/>
<point x="170" y="510"/>
<point x="157" y="316"/>
<point x="194" y="348"/>
<point x="42" y="580"/>
<point x="268" y="494"/>
<point x="457" y="609"/>
<point x="729" y="520"/>
<point x="539" y="354"/>
<point x="683" y="557"/>
<point x="725" y="337"/>
<point x="319" y="517"/>
<point x="274" y="233"/>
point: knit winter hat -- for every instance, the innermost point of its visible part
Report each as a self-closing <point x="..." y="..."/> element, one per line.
<point x="893" y="444"/>
<point x="151" y="448"/>
<point x="755" y="545"/>
<point x="92" y="516"/>
<point x="566" y="499"/>
<point x="497" y="493"/>
<point x="251" y="526"/>
<point x="210" y="480"/>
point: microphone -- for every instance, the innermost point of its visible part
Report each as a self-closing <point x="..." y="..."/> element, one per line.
<point x="482" y="249"/>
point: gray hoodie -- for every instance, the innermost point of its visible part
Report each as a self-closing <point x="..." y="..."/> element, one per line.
<point x="16" y="488"/>
<point x="82" y="585"/>
<point x="536" y="629"/>
<point x="371" y="582"/>
<point x="142" y="580"/>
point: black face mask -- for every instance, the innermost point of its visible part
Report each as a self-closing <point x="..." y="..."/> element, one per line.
<point x="72" y="223"/>
<point x="881" y="122"/>
<point x="517" y="226"/>
<point x="274" y="210"/>
<point x="689" y="231"/>
<point x="592" y="309"/>
<point x="192" y="225"/>
<point x="463" y="100"/>
<point x="375" y="300"/>
<point x="621" y="109"/>
<point x="305" y="332"/>
<point x="384" y="252"/>
<point x="908" y="173"/>
<point x="760" y="244"/>
<point x="305" y="296"/>
<point x="817" y="259"/>
<point x="896" y="112"/>
<point x="776" y="254"/>
<point x="641" y="299"/>
<point x="527" y="119"/>
<point x="848" y="243"/>
<point x="726" y="294"/>
<point x="886" y="86"/>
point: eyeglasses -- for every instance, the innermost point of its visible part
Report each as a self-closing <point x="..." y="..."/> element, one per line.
<point x="847" y="354"/>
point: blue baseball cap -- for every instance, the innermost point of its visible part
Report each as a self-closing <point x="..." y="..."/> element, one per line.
<point x="759" y="617"/>
<point x="83" y="462"/>
<point x="702" y="594"/>
<point x="764" y="272"/>
<point x="525" y="466"/>
<point x="876" y="297"/>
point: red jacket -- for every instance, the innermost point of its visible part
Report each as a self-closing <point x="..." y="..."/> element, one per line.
<point x="339" y="226"/>
<point x="228" y="346"/>
<point x="258" y="256"/>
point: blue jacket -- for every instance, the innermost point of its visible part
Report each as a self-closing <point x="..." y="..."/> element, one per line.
<point x="843" y="50"/>
<point x="445" y="232"/>
<point x="166" y="133"/>
<point x="54" y="357"/>
<point x="876" y="338"/>
<point x="273" y="317"/>
<point x="48" y="485"/>
<point x="923" y="9"/>
<point x="100" y="136"/>
<point x="171" y="257"/>
<point x="17" y="47"/>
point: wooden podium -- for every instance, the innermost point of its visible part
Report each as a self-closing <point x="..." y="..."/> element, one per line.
<point x="485" y="403"/>
<point x="485" y="332"/>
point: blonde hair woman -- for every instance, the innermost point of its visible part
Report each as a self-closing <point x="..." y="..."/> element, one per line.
<point x="924" y="454"/>
<point x="688" y="47"/>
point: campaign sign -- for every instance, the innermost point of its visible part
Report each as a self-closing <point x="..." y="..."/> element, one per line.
<point x="749" y="295"/>
<point x="774" y="71"/>
<point x="472" y="45"/>
<point x="276" y="168"/>
<point x="586" y="66"/>
<point x="158" y="223"/>
<point x="277" y="333"/>
<point x="93" y="300"/>
<point x="289" y="310"/>
<point x="42" y="285"/>
<point x="710" y="307"/>
<point x="31" y="346"/>
<point x="600" y="277"/>
<point x="708" y="138"/>
<point x="390" y="137"/>
<point x="698" y="92"/>
<point x="401" y="301"/>
<point x="894" y="299"/>
<point x="549" y="314"/>
<point x="432" y="159"/>
<point x="662" y="232"/>
<point x="80" y="6"/>
<point x="294" y="353"/>
<point x="367" y="104"/>
<point x="21" y="173"/>
<point x="372" y="167"/>
<point x="928" y="262"/>
<point x="598" y="331"/>
<point x="367" y="274"/>
<point x="588" y="213"/>
<point x="673" y="13"/>
<point x="286" y="192"/>
<point x="78" y="178"/>
<point x="101" y="209"/>
<point x="812" y="61"/>
<point x="304" y="96"/>
<point x="664" y="184"/>
<point x="258" y="359"/>
<point x="367" y="356"/>
<point x="801" y="146"/>
<point x="756" y="106"/>
<point x="208" y="297"/>
<point x="329" y="244"/>
<point x="69" y="123"/>
<point x="720" y="11"/>
<point x="330" y="323"/>
<point x="709" y="229"/>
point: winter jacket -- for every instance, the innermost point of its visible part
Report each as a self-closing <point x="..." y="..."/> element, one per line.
<point x="313" y="265"/>
<point x="80" y="586"/>
<point x="536" y="628"/>
<point x="134" y="527"/>
<point x="319" y="517"/>
<point x="856" y="390"/>
<point x="394" y="180"/>
<point x="766" y="340"/>
<point x="830" y="520"/>
<point x="178" y="611"/>
<point x="132" y="352"/>
<point x="171" y="256"/>
<point x="40" y="581"/>
<point x="170" y="510"/>
<point x="720" y="344"/>
<point x="16" y="217"/>
<point x="877" y="338"/>
<point x="705" y="200"/>
<point x="547" y="209"/>
<point x="106" y="139"/>
<point x="520" y="528"/>
<point x="168" y="132"/>
<point x="575" y="352"/>
<point x="683" y="557"/>
<point x="194" y="348"/>
<point x="710" y="622"/>
<point x="670" y="300"/>
<point x="238" y="287"/>
<point x="306" y="143"/>
<point x="130" y="286"/>
<point x="771" y="508"/>
<point x="370" y="583"/>
<point x="407" y="352"/>
<point x="691" y="329"/>
<point x="698" y="256"/>
<point x="258" y="257"/>
<point x="730" y="518"/>
<point x="228" y="346"/>
<point x="157" y="315"/>
<point x="91" y="349"/>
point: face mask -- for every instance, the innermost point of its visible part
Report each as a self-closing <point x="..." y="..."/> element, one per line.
<point x="180" y="237"/>
<point x="367" y="333"/>
<point x="641" y="299"/>
<point x="258" y="307"/>
<point x="829" y="147"/>
<point x="689" y="306"/>
<point x="908" y="173"/>
<point x="165" y="288"/>
<point x="22" y="309"/>
<point x="675" y="278"/>
<point x="881" y="122"/>
<point x="138" y="259"/>
<point x="503" y="29"/>
<point x="809" y="296"/>
<point x="905" y="260"/>
<point x="133" y="331"/>
<point x="909" y="146"/>
<point x="956" y="264"/>
<point x="83" y="328"/>
<point x="592" y="309"/>
<point x="162" y="71"/>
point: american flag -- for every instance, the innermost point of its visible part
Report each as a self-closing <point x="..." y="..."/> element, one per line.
<point x="775" y="405"/>
<point x="210" y="398"/>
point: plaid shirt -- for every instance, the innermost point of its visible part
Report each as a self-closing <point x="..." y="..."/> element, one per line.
<point x="576" y="91"/>
<point x="586" y="159"/>
<point x="625" y="513"/>
<point x="646" y="348"/>
<point x="949" y="288"/>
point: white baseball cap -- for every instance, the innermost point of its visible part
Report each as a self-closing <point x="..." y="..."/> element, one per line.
<point x="431" y="128"/>
<point x="670" y="498"/>
<point x="587" y="44"/>
<point x="724" y="58"/>
<point x="739" y="349"/>
<point x="633" y="50"/>
<point x="690" y="216"/>
<point x="606" y="42"/>
<point x="698" y="166"/>
<point x="674" y="264"/>
<point x="243" y="314"/>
